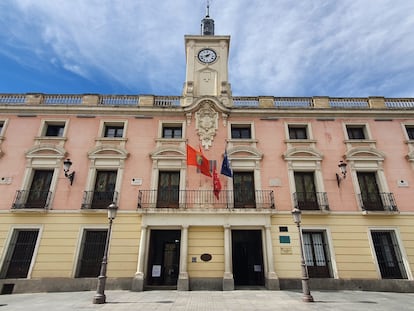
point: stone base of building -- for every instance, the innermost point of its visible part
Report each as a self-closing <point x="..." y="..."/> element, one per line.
<point x="137" y="284"/>
<point x="385" y="285"/>
<point x="18" y="286"/>
<point x="11" y="286"/>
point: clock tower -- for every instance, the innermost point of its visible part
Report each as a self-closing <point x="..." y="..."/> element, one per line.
<point x="207" y="64"/>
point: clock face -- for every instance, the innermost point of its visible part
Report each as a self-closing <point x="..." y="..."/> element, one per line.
<point x="207" y="56"/>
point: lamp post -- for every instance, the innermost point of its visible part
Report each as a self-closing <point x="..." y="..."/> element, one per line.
<point x="100" y="297"/>
<point x="307" y="297"/>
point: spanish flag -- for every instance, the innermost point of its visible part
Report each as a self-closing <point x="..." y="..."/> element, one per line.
<point x="197" y="158"/>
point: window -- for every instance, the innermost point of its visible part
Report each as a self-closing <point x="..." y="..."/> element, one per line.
<point x="54" y="130"/>
<point x="91" y="254"/>
<point x="168" y="189"/>
<point x="409" y="129"/>
<point x="244" y="190"/>
<point x="39" y="194"/>
<point x="169" y="131"/>
<point x="114" y="131"/>
<point x="298" y="132"/>
<point x="316" y="254"/>
<point x="370" y="194"/>
<point x="388" y="255"/>
<point x="20" y="254"/>
<point x="241" y="131"/>
<point x="104" y="193"/>
<point x="1" y="127"/>
<point x="356" y="131"/>
<point x="305" y="194"/>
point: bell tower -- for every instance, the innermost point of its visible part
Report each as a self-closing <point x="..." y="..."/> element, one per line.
<point x="207" y="64"/>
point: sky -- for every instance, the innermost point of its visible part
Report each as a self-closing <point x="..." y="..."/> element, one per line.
<point x="281" y="48"/>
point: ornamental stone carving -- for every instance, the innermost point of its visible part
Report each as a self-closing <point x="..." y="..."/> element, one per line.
<point x="206" y="123"/>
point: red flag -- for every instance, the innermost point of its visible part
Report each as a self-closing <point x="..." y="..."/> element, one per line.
<point x="197" y="158"/>
<point x="191" y="156"/>
<point x="216" y="184"/>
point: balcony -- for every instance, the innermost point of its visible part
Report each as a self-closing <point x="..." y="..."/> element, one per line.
<point x="205" y="199"/>
<point x="32" y="199"/>
<point x="311" y="201"/>
<point x="98" y="199"/>
<point x="379" y="202"/>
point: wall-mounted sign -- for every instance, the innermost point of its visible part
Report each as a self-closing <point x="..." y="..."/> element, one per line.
<point x="206" y="257"/>
<point x="284" y="239"/>
<point x="156" y="271"/>
<point x="286" y="250"/>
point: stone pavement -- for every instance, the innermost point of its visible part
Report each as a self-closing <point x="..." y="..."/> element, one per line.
<point x="240" y="300"/>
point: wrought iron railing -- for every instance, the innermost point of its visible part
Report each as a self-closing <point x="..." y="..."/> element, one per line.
<point x="383" y="201"/>
<point x="31" y="199"/>
<point x="311" y="201"/>
<point x="98" y="199"/>
<point x="205" y="199"/>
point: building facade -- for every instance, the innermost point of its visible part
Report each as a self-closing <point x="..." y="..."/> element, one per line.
<point x="172" y="230"/>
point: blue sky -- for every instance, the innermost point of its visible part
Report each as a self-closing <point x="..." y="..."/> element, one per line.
<point x="347" y="48"/>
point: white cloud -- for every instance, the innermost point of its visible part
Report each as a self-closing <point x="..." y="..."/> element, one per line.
<point x="279" y="47"/>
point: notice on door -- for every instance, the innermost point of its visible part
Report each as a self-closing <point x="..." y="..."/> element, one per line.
<point x="156" y="271"/>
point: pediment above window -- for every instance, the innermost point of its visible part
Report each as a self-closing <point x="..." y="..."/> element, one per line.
<point x="362" y="153"/>
<point x="303" y="153"/>
<point x="108" y="151"/>
<point x="46" y="151"/>
<point x="171" y="151"/>
<point x="244" y="152"/>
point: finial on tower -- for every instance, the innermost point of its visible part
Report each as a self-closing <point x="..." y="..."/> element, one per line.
<point x="207" y="24"/>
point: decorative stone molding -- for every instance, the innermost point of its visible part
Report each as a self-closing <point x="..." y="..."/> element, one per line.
<point x="206" y="123"/>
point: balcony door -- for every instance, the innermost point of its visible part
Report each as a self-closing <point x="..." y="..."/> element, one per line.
<point x="168" y="189"/>
<point x="370" y="194"/>
<point x="306" y="191"/>
<point x="39" y="189"/>
<point x="244" y="190"/>
<point x="104" y="189"/>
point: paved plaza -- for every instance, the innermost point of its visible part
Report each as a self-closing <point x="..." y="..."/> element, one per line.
<point x="240" y="300"/>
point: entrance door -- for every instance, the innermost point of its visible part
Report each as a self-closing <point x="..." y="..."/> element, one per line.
<point x="164" y="257"/>
<point x="247" y="257"/>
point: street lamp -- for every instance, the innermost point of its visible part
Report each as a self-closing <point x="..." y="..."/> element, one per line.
<point x="307" y="297"/>
<point x="100" y="297"/>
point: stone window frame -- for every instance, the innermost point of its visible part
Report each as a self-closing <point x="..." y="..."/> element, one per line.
<point x="171" y="123"/>
<point x="307" y="125"/>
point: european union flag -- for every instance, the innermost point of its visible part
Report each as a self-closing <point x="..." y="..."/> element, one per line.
<point x="225" y="166"/>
